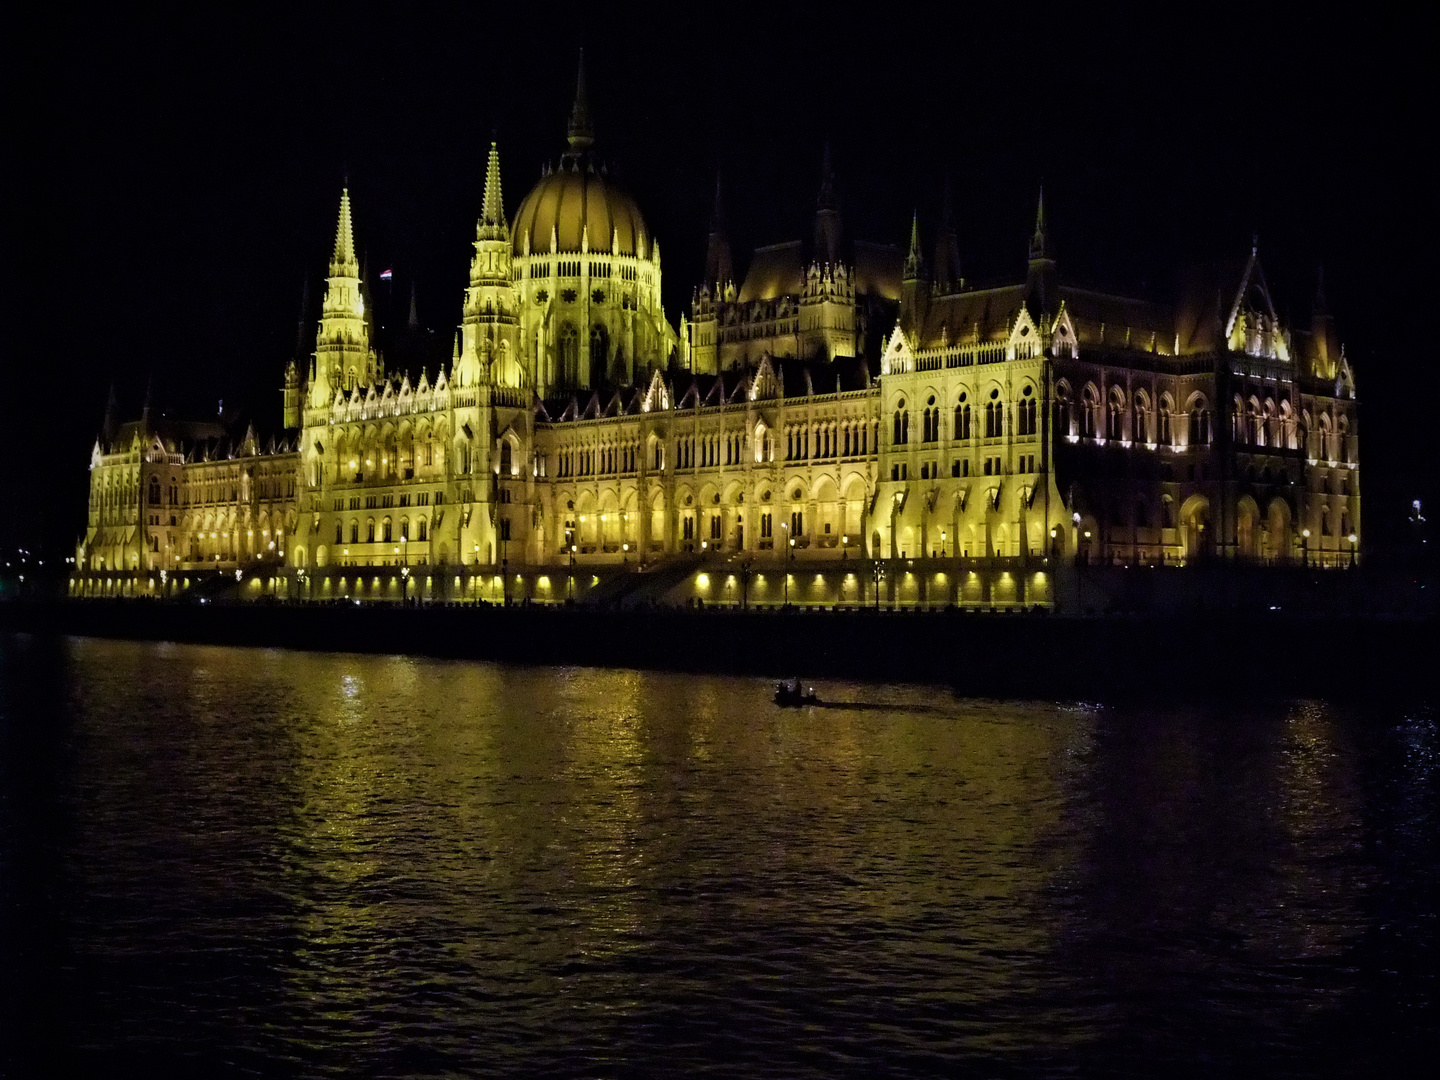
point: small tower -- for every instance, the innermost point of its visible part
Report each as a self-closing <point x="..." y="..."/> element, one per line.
<point x="719" y="270"/>
<point x="1041" y="288"/>
<point x="914" y="287"/>
<point x="490" y="328"/>
<point x="828" y="230"/>
<point x="343" y="358"/>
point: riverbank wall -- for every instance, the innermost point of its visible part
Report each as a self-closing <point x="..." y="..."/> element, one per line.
<point x="1015" y="654"/>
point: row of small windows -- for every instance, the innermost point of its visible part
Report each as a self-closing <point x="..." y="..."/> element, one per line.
<point x="993" y="411"/>
<point x="385" y="534"/>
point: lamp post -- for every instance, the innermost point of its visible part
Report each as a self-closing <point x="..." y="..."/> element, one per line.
<point x="789" y="562"/>
<point x="475" y="574"/>
<point x="404" y="585"/>
<point x="942" y="543"/>
<point x="1353" y="541"/>
<point x="1305" y="548"/>
<point x="878" y="573"/>
<point x="570" y="551"/>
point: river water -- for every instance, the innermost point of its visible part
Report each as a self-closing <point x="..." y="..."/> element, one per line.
<point x="245" y="862"/>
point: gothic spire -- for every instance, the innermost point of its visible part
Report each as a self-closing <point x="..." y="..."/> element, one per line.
<point x="718" y="266"/>
<point x="1042" y="292"/>
<point x="827" y="215"/>
<point x="914" y="263"/>
<point x="1038" y="249"/>
<point x="344" y="236"/>
<point x="580" y="132"/>
<point x="413" y="321"/>
<point x="493" y="209"/>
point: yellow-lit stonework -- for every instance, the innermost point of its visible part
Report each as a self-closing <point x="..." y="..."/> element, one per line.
<point x="842" y="426"/>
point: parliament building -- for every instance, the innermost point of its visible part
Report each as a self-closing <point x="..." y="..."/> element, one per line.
<point x="847" y="423"/>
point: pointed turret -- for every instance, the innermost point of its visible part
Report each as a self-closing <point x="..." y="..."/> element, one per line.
<point x="412" y="321"/>
<point x="914" y="295"/>
<point x="492" y="211"/>
<point x="344" y="255"/>
<point x="1037" y="238"/>
<point x="1041" y="288"/>
<point x="342" y="345"/>
<point x="945" y="267"/>
<point x="914" y="262"/>
<point x="580" y="132"/>
<point x="827" y="215"/>
<point x="719" y="270"/>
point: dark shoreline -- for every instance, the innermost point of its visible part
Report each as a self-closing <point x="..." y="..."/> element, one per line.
<point x="1222" y="654"/>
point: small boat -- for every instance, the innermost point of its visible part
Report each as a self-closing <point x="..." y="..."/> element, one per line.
<point x="790" y="696"/>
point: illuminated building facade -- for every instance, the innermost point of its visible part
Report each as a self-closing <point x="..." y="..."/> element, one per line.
<point x="869" y="418"/>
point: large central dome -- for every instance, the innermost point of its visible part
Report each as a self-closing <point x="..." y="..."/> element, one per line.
<point x="578" y="198"/>
<point x="570" y="201"/>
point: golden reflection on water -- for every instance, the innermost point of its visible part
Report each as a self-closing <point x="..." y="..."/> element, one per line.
<point x="618" y="840"/>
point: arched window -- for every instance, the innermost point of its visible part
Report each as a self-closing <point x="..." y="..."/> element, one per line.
<point x="962" y="417"/>
<point x="902" y="424"/>
<point x="423" y="527"/>
<point x="994" y="416"/>
<point x="154" y="491"/>
<point x="1164" y="435"/>
<point x="506" y="464"/>
<point x="339" y="533"/>
<point x="569" y="356"/>
<point x="1115" y="416"/>
<point x="1090" y="406"/>
<point x="1025" y="412"/>
<point x="404" y="530"/>
<point x="370" y="531"/>
<point x="355" y="532"/>
<point x="599" y="354"/>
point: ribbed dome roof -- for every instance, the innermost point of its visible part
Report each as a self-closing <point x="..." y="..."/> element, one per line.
<point x="569" y="201"/>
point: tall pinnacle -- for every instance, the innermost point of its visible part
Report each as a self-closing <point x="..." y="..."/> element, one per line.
<point x="913" y="261"/>
<point x="493" y="210"/>
<point x="344" y="236"/>
<point x="1037" y="241"/>
<point x="718" y="267"/>
<point x="580" y="132"/>
<point x="828" y="226"/>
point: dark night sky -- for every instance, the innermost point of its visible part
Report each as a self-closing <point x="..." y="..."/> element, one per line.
<point x="173" y="183"/>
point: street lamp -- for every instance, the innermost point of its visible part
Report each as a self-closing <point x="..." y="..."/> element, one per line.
<point x="790" y="559"/>
<point x="942" y="543"/>
<point x="1305" y="548"/>
<point x="1353" y="541"/>
<point x="878" y="573"/>
<point x="405" y="584"/>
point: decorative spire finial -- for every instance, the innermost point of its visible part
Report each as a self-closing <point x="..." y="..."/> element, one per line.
<point x="580" y="131"/>
<point x="1038" y="248"/>
<point x="344" y="234"/>
<point x="493" y="209"/>
<point x="914" y="262"/>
